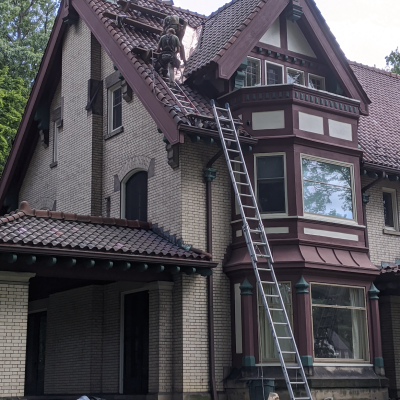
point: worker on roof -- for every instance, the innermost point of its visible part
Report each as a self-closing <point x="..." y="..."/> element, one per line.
<point x="168" y="47"/>
<point x="179" y="25"/>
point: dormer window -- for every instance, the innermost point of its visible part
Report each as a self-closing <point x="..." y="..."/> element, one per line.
<point x="316" y="82"/>
<point x="253" y="72"/>
<point x="295" y="76"/>
<point x="274" y="73"/>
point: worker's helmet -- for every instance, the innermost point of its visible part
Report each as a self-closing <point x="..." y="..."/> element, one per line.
<point x="171" y="31"/>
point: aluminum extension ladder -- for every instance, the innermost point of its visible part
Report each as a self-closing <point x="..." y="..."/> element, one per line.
<point x="259" y="248"/>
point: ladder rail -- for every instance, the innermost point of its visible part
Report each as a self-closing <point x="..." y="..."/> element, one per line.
<point x="263" y="247"/>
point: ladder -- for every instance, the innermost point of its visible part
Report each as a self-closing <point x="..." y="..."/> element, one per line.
<point x="259" y="249"/>
<point x="182" y="101"/>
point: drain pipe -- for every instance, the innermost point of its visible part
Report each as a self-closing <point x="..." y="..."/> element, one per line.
<point x="209" y="175"/>
<point x="365" y="201"/>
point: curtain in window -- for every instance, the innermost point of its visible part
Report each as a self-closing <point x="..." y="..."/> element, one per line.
<point x="358" y="324"/>
<point x="267" y="345"/>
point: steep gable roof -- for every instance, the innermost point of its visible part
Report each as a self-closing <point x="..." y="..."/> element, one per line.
<point x="379" y="132"/>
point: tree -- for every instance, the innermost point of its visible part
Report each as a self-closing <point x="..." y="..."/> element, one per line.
<point x="393" y="60"/>
<point x="25" y="26"/>
<point x="13" y="96"/>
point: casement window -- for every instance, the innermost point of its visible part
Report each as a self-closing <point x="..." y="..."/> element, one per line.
<point x="271" y="183"/>
<point x="316" y="82"/>
<point x="55" y="143"/>
<point x="114" y="108"/>
<point x="294" y="76"/>
<point x="390" y="209"/>
<point x="267" y="348"/>
<point x="328" y="187"/>
<point x="339" y="320"/>
<point x="253" y="72"/>
<point x="134" y="196"/>
<point x="274" y="73"/>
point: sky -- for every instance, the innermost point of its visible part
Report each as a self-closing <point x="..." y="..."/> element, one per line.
<point x="367" y="30"/>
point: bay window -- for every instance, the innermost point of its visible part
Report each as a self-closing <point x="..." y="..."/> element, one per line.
<point x="339" y="320"/>
<point x="267" y="346"/>
<point x="328" y="188"/>
<point x="295" y="76"/>
<point x="253" y="72"/>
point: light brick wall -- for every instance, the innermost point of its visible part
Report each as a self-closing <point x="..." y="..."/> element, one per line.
<point x="383" y="247"/>
<point x="13" y="325"/>
<point x="74" y="339"/>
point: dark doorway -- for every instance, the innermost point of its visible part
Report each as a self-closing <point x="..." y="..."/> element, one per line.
<point x="136" y="197"/>
<point x="136" y="343"/>
<point x="35" y="354"/>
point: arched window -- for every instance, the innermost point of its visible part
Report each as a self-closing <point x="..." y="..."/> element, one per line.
<point x="135" y="196"/>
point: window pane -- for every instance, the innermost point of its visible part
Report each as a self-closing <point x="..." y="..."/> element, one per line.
<point x="316" y="83"/>
<point x="117" y="109"/>
<point x="294" y="76"/>
<point x="328" y="173"/>
<point x="253" y="72"/>
<point x="136" y="197"/>
<point x="268" y="350"/>
<point x="270" y="167"/>
<point x="274" y="74"/>
<point x="337" y="296"/>
<point x="271" y="195"/>
<point x="328" y="200"/>
<point x="388" y="209"/>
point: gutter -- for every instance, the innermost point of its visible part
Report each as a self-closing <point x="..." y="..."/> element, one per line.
<point x="210" y="281"/>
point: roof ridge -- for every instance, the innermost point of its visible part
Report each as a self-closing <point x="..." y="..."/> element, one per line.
<point x="375" y="69"/>
<point x="26" y="210"/>
<point x="224" y="7"/>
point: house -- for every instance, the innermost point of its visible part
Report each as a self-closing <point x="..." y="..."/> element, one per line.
<point x="123" y="259"/>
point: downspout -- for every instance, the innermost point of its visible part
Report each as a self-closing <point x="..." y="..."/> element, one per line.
<point x="209" y="175"/>
<point x="365" y="201"/>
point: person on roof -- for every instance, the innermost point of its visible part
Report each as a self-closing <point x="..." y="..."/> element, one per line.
<point x="168" y="47"/>
<point x="179" y="25"/>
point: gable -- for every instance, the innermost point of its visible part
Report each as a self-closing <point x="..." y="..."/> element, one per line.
<point x="296" y="41"/>
<point x="273" y="35"/>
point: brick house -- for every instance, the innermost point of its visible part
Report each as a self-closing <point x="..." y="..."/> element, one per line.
<point x="95" y="302"/>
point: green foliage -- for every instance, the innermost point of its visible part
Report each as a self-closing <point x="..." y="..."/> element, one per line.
<point x="25" y="26"/>
<point x="13" y="96"/>
<point x="393" y="61"/>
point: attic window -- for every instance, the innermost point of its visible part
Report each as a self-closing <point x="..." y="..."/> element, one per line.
<point x="316" y="82"/>
<point x="253" y="72"/>
<point x="295" y="76"/>
<point x="274" y="74"/>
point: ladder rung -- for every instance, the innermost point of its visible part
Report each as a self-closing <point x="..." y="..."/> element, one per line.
<point x="263" y="269"/>
<point x="222" y="109"/>
<point x="254" y="231"/>
<point x="296" y="368"/>
<point x="263" y="255"/>
<point x="224" y="119"/>
<point x="235" y="161"/>
<point x="242" y="183"/>
<point x="260" y="244"/>
<point x="296" y="383"/>
<point x="252" y="218"/>
<point x="302" y="398"/>
<point x="280" y="323"/>
<point x="283" y="337"/>
<point x="240" y="173"/>
<point x="233" y="151"/>
<point x="275" y="309"/>
<point x="269" y="283"/>
<point x="288" y="352"/>
<point x="229" y="140"/>
<point x="271" y="295"/>
<point x="243" y="194"/>
<point x="228" y="129"/>
<point x="247" y="206"/>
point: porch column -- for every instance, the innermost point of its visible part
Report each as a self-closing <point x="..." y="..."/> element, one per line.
<point x="304" y="334"/>
<point x="248" y="359"/>
<point x="160" y="338"/>
<point x="13" y="325"/>
<point x="376" y="330"/>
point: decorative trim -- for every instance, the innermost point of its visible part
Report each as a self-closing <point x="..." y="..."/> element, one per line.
<point x="373" y="292"/>
<point x="307" y="361"/>
<point x="246" y="288"/>
<point x="331" y="234"/>
<point x="378" y="362"/>
<point x="209" y="174"/>
<point x="278" y="230"/>
<point x="20" y="278"/>
<point x="248" y="361"/>
<point x="141" y="163"/>
<point x="302" y="287"/>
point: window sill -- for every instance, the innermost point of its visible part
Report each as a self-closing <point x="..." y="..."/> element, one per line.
<point x="391" y="232"/>
<point x="54" y="164"/>
<point x="113" y="133"/>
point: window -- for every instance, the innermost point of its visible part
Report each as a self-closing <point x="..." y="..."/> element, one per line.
<point x="295" y="76"/>
<point x="267" y="346"/>
<point x="390" y="209"/>
<point x="253" y="72"/>
<point x="134" y="196"/>
<point x="270" y="177"/>
<point x="55" y="143"/>
<point x="115" y="108"/>
<point x="316" y="82"/>
<point x="339" y="322"/>
<point x="327" y="188"/>
<point x="274" y="74"/>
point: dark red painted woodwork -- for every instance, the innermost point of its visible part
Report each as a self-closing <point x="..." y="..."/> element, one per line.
<point x="248" y="332"/>
<point x="375" y="324"/>
<point x="302" y="319"/>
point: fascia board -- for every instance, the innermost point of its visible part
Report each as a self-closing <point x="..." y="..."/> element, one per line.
<point x="19" y="147"/>
<point x="249" y="37"/>
<point x="155" y="108"/>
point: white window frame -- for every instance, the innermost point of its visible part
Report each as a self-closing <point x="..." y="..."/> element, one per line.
<point x="55" y="143"/>
<point x="110" y="107"/>
<point x="278" y="65"/>
<point x="260" y="306"/>
<point x="260" y="65"/>
<point x="342" y="360"/>
<point x="310" y="76"/>
<point x="393" y="192"/>
<point x="274" y="215"/>
<point x="323" y="217"/>
<point x="123" y="189"/>
<point x="296" y="70"/>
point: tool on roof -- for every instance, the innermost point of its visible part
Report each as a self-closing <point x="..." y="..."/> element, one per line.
<point x="132" y="22"/>
<point x="258" y="247"/>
